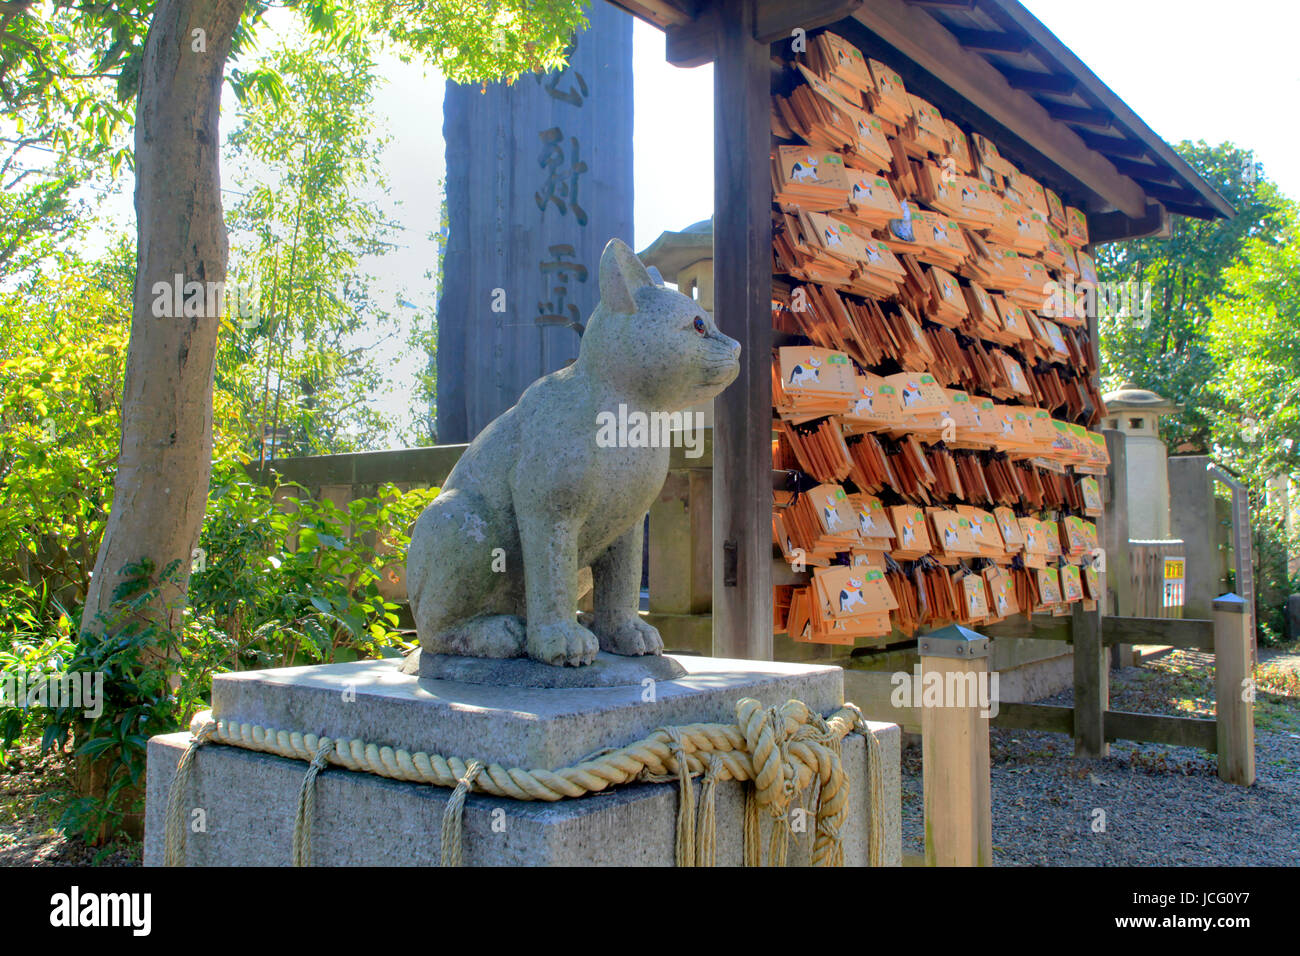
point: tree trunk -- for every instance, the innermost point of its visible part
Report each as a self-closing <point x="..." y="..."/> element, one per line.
<point x="160" y="492"/>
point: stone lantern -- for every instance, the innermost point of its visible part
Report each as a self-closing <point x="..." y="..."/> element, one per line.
<point x="686" y="259"/>
<point x="1136" y="412"/>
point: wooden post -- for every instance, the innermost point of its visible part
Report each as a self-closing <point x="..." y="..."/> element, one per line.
<point x="1194" y="519"/>
<point x="1091" y="684"/>
<point x="681" y="554"/>
<point x="1117" y="574"/>
<point x="742" y="265"/>
<point x="955" y="749"/>
<point x="1240" y="541"/>
<point x="681" y="580"/>
<point x="1234" y="690"/>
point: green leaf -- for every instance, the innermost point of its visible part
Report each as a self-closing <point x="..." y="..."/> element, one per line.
<point x="96" y="747"/>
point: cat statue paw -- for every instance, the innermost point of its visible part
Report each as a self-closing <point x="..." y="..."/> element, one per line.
<point x="541" y="493"/>
<point x="624" y="634"/>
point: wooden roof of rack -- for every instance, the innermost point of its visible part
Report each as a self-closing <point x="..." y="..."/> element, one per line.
<point x="992" y="66"/>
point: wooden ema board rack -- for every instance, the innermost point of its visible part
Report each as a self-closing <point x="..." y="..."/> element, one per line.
<point x="935" y="392"/>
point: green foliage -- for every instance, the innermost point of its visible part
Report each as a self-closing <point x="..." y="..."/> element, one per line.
<point x="36" y="642"/>
<point x="287" y="579"/>
<point x="1273" y="548"/>
<point x="1185" y="273"/>
<point x="138" y="701"/>
<point x="70" y="75"/>
<point x="1255" y="344"/>
<point x="62" y="352"/>
<point x="37" y="214"/>
<point x="297" y="581"/>
<point x="72" y="71"/>
<point x="1224" y="341"/>
<point x="471" y="41"/>
<point x="283" y="581"/>
<point x="290" y="580"/>
<point x="300" y="233"/>
<point x="66" y="90"/>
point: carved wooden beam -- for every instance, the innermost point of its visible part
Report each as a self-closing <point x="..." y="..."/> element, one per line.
<point x="1011" y="14"/>
<point x="693" y="43"/>
<point x="1169" y="193"/>
<point x="990" y="41"/>
<point x="1115" y="226"/>
<point x="776" y="19"/>
<point x="1145" y="172"/>
<point x="1078" y="116"/>
<point x="1112" y="146"/>
<point x="661" y="13"/>
<point x="1036" y="82"/>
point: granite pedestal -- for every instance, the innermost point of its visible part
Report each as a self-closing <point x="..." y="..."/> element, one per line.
<point x="248" y="799"/>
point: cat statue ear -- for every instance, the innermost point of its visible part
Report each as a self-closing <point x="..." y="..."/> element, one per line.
<point x="655" y="275"/>
<point x="621" y="274"/>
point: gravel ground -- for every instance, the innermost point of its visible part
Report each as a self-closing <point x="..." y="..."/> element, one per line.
<point x="1163" y="806"/>
<point x="29" y="810"/>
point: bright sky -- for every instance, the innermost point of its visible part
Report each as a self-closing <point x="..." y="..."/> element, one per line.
<point x="1197" y="70"/>
<point x="1185" y="67"/>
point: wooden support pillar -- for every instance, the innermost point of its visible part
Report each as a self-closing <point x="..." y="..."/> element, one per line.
<point x="1117" y="574"/>
<point x="742" y="267"/>
<point x="1195" y="520"/>
<point x="1234" y="690"/>
<point x="1091" y="684"/>
<point x="955" y="749"/>
<point x="681" y="578"/>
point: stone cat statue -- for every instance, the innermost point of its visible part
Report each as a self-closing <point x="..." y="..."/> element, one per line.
<point x="494" y="560"/>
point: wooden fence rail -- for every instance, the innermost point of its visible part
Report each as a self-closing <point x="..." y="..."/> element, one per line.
<point x="1231" y="734"/>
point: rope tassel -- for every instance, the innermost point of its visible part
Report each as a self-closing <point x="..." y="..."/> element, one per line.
<point x="753" y="834"/>
<point x="174" y="822"/>
<point x="685" y="854"/>
<point x="706" y="834"/>
<point x="453" y="813"/>
<point x="307" y="804"/>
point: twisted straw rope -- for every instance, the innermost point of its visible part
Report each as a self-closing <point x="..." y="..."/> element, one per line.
<point x="780" y="749"/>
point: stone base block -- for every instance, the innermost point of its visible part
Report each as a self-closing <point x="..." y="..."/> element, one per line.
<point x="241" y="804"/>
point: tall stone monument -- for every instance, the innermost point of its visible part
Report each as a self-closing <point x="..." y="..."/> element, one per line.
<point x="539" y="177"/>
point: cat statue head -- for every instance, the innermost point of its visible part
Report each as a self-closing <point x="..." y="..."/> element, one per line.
<point x="653" y="344"/>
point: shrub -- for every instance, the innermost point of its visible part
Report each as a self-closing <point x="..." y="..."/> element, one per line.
<point x="293" y="580"/>
<point x="279" y="580"/>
